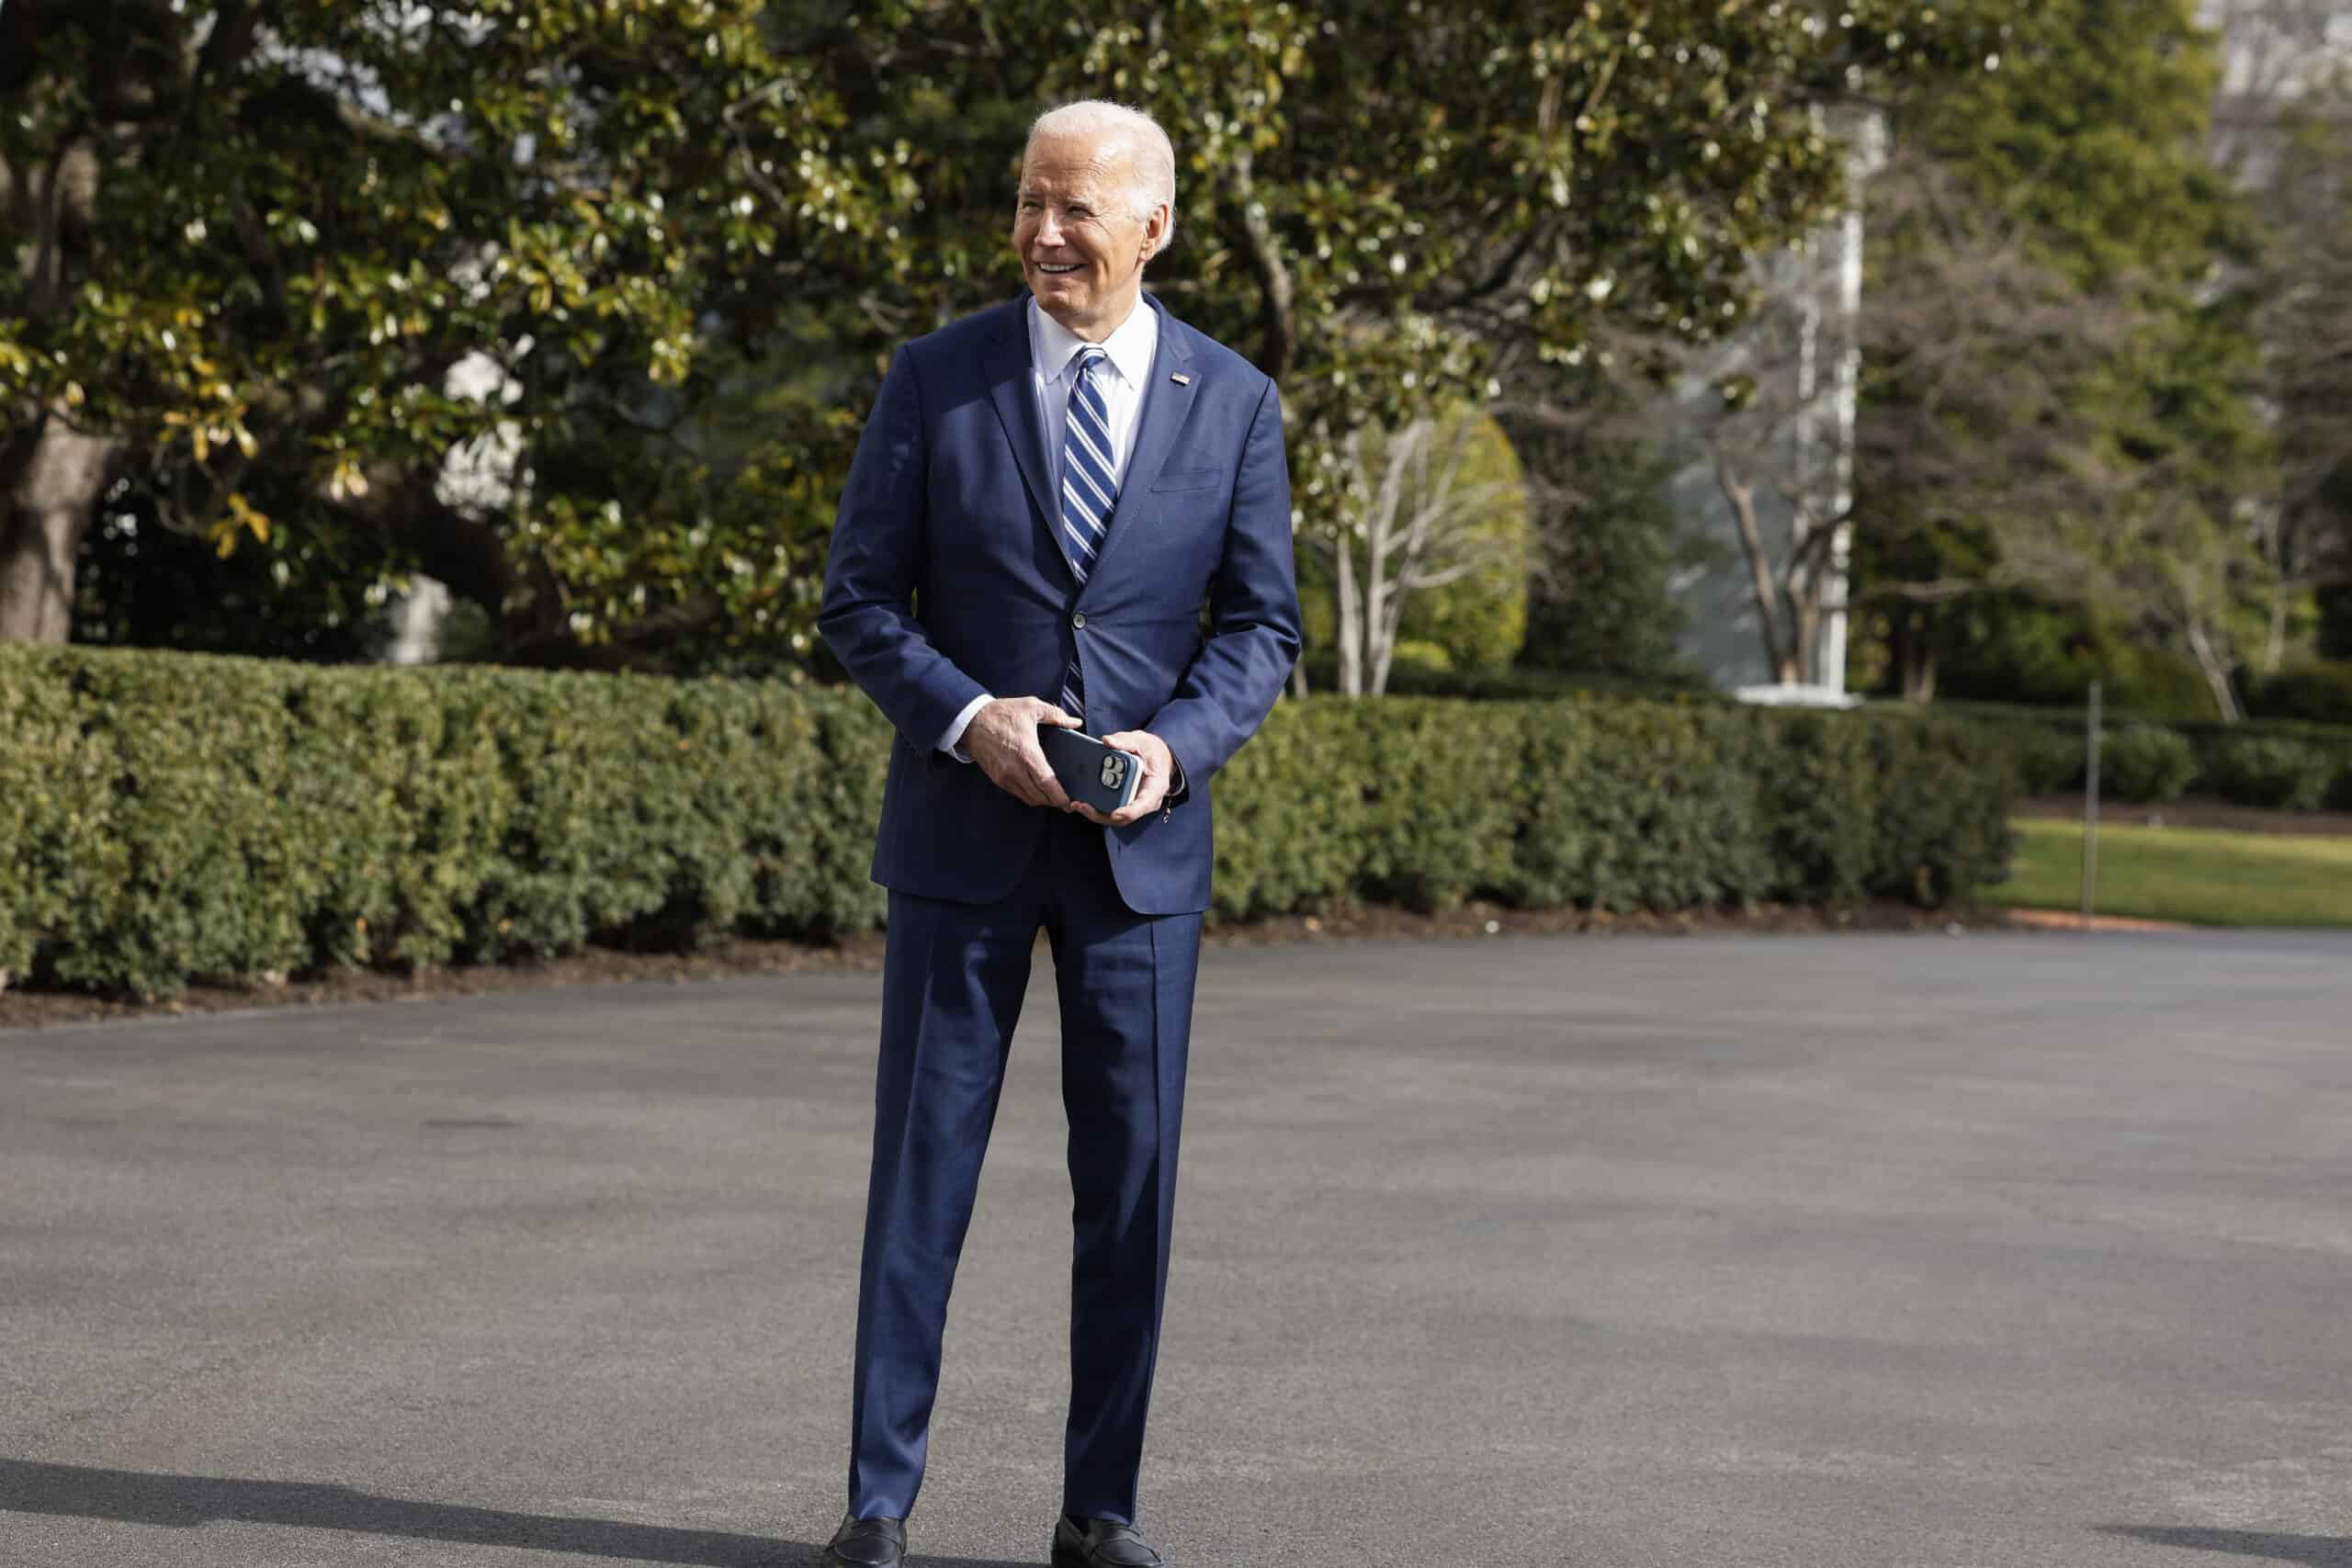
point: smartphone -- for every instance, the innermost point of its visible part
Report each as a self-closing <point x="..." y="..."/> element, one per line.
<point x="1092" y="773"/>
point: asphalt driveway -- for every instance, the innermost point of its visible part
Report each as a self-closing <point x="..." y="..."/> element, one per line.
<point x="1870" y="1251"/>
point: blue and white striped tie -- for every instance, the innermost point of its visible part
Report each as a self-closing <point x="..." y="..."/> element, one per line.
<point x="1090" y="489"/>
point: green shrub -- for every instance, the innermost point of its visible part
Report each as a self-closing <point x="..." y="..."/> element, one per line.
<point x="1426" y="660"/>
<point x="1820" y="783"/>
<point x="172" y="817"/>
<point x="46" y="844"/>
<point x="2039" y="742"/>
<point x="1942" y="829"/>
<point x="2320" y="692"/>
<point x="2280" y="775"/>
<point x="1479" y="620"/>
<point x="1638" y="806"/>
<point x="1612" y="543"/>
<point x="1292" y="814"/>
<point x="2339" y="793"/>
<point x="1439" y="801"/>
<point x="1416" y="678"/>
<point x="2049" y="760"/>
<point x="2143" y="763"/>
<point x="2009" y="647"/>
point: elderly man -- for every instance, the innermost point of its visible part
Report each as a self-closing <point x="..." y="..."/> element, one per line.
<point x="1046" y="495"/>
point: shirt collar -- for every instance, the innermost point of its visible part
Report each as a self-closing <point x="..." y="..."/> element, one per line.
<point x="1130" y="347"/>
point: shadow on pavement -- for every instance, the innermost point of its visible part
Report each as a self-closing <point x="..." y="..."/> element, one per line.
<point x="2312" y="1550"/>
<point x="141" y="1497"/>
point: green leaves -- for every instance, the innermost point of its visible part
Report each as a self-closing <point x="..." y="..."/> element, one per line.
<point x="174" y="818"/>
<point x="288" y="244"/>
<point x="2135" y="394"/>
<point x="685" y="236"/>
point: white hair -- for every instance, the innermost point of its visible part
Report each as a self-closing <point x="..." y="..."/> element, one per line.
<point x="1154" y="155"/>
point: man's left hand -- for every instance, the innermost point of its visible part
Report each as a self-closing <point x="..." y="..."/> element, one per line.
<point x="1158" y="775"/>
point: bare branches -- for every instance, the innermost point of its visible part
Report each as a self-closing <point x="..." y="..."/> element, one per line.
<point x="1767" y="585"/>
<point x="2283" y="59"/>
<point x="1420" y="526"/>
<point x="2303" y="189"/>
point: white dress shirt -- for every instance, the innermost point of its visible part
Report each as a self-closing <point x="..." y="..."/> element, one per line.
<point x="1053" y="349"/>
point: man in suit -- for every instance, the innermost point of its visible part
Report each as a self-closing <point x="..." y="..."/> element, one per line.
<point x="1046" y="496"/>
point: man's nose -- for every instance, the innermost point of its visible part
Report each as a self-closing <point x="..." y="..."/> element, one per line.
<point x="1049" y="230"/>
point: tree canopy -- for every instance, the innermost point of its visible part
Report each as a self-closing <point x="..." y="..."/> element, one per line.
<point x="2116" y="360"/>
<point x="262" y="248"/>
<point x="258" y="245"/>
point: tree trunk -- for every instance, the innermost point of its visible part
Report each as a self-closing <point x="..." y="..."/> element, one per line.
<point x="1914" y="658"/>
<point x="1767" y="594"/>
<point x="1351" y="622"/>
<point x="50" y="480"/>
<point x="1805" y="636"/>
<point x="1278" y="315"/>
<point x="2217" y="674"/>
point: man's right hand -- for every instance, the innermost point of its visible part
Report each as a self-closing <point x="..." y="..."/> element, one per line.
<point x="1002" y="739"/>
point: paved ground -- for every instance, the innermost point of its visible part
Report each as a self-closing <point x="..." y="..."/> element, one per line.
<point x="1861" y="1251"/>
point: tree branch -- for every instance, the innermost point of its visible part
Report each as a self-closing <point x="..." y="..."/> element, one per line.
<point x="1278" y="317"/>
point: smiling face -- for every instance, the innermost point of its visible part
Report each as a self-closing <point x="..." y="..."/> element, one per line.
<point x="1075" y="227"/>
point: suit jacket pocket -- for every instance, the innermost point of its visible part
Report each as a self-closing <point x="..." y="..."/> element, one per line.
<point x="1187" y="479"/>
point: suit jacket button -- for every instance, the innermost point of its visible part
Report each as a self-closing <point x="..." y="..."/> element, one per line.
<point x="1078" y="622"/>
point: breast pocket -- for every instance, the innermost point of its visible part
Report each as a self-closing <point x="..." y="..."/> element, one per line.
<point x="1187" y="479"/>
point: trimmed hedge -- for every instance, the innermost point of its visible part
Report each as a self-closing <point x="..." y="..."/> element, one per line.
<point x="2282" y="765"/>
<point x="2147" y="765"/>
<point x="1410" y="677"/>
<point x="2273" y="773"/>
<point x="172" y="817"/>
<point x="2319" y="692"/>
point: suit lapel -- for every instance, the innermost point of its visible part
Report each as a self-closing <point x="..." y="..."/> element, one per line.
<point x="1167" y="401"/>
<point x="1005" y="361"/>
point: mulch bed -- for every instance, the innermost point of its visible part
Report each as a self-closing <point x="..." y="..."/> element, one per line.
<point x="2072" y="921"/>
<point x="1472" y="921"/>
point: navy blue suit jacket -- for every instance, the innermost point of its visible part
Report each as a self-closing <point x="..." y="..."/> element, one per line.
<point x="946" y="582"/>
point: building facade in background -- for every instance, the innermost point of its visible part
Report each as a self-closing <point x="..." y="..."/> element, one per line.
<point x="1768" y="478"/>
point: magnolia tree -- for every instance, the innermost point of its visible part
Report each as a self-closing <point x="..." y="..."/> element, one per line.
<point x="253" y="243"/>
<point x="1398" y="218"/>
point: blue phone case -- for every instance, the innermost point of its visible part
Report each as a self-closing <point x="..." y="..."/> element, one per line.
<point x="1092" y="772"/>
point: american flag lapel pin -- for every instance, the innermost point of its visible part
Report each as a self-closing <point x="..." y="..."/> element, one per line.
<point x="1180" y="378"/>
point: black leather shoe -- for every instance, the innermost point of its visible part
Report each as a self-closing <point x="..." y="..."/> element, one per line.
<point x="1099" y="1543"/>
<point x="868" y="1543"/>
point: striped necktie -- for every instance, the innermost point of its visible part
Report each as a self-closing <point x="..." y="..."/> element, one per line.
<point x="1089" y="487"/>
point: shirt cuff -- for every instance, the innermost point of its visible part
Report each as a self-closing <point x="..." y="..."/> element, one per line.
<point x="953" y="741"/>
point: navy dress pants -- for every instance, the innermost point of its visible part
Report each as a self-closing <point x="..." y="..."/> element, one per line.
<point x="953" y="982"/>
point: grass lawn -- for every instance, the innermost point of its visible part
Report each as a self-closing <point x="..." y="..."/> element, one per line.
<point x="2195" y="874"/>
